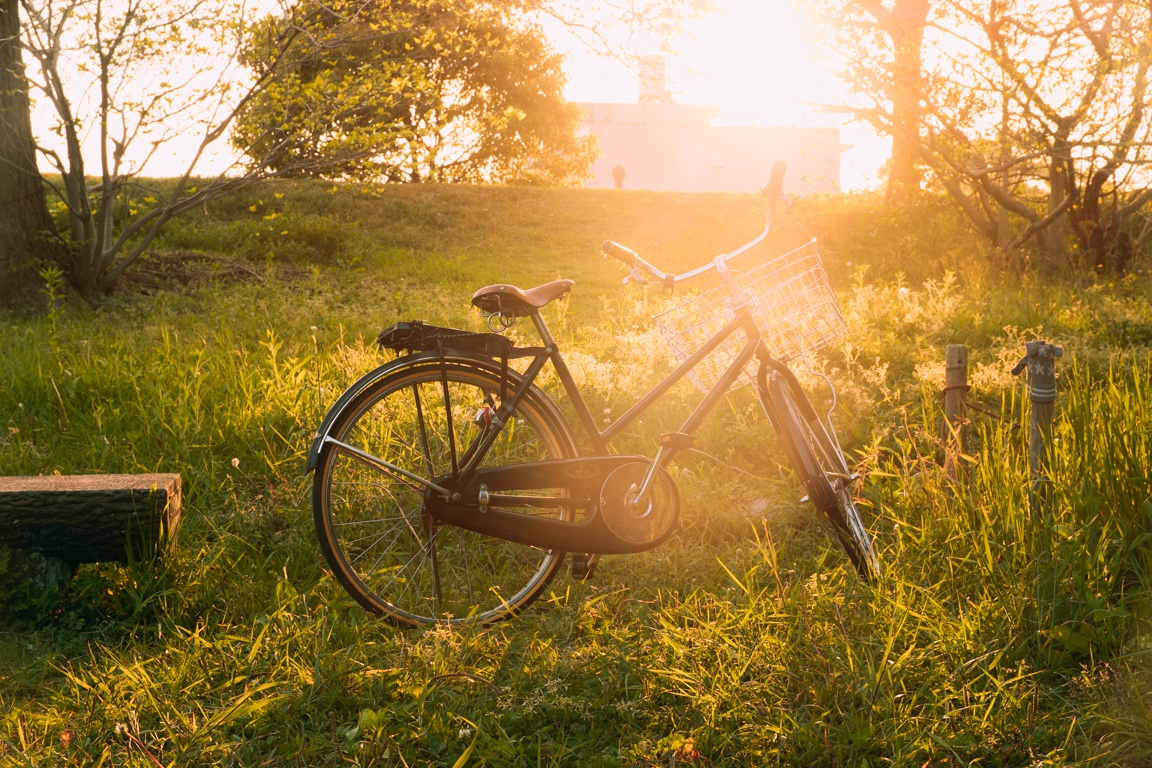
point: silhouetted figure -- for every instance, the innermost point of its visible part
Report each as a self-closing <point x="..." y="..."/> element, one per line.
<point x="618" y="174"/>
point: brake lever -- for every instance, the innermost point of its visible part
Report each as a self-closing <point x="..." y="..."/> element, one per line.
<point x="634" y="276"/>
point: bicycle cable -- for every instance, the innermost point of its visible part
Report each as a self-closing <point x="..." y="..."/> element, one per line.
<point x="828" y="416"/>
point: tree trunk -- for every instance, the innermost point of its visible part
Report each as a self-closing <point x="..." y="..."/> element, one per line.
<point x="905" y="26"/>
<point x="1059" y="187"/>
<point x="25" y="224"/>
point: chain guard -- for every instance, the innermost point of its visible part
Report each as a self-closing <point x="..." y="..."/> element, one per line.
<point x="596" y="489"/>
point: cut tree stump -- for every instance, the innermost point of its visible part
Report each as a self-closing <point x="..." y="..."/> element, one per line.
<point x="90" y="518"/>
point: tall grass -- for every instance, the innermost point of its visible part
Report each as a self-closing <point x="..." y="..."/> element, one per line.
<point x="1011" y="628"/>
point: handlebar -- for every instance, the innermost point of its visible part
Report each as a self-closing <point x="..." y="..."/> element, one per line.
<point x="637" y="266"/>
<point x="626" y="255"/>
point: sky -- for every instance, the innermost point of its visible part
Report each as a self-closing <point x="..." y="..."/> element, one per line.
<point x="754" y="59"/>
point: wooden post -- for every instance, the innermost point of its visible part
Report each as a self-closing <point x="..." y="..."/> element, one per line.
<point x="1040" y="361"/>
<point x="955" y="389"/>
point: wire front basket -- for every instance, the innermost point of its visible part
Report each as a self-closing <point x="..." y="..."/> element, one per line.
<point x="790" y="298"/>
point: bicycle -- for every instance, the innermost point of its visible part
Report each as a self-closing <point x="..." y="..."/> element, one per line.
<point x="448" y="487"/>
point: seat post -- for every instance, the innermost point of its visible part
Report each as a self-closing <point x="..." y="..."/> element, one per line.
<point x="542" y="329"/>
<point x="599" y="444"/>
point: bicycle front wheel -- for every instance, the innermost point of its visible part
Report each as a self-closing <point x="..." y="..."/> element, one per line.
<point x="382" y="544"/>
<point x="821" y="468"/>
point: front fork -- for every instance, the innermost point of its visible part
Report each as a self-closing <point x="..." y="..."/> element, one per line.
<point x="839" y="468"/>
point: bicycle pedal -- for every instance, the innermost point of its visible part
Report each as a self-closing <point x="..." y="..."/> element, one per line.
<point x="583" y="565"/>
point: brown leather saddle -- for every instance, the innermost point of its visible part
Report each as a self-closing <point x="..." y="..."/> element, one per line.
<point x="510" y="301"/>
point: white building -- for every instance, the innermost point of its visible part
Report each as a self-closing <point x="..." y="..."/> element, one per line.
<point x="675" y="147"/>
<point x="655" y="144"/>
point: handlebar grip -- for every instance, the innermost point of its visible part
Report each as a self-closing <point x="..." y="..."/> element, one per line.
<point x="776" y="180"/>
<point x="615" y="250"/>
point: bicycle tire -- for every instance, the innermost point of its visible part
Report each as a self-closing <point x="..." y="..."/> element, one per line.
<point x="382" y="545"/>
<point x="822" y="470"/>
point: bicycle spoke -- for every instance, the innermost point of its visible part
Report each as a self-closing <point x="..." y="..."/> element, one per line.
<point x="421" y="551"/>
<point x="423" y="430"/>
<point x="468" y="580"/>
<point x="435" y="570"/>
<point x="365" y="550"/>
<point x="451" y="426"/>
<point x="372" y="521"/>
<point x="407" y="522"/>
<point x="372" y="499"/>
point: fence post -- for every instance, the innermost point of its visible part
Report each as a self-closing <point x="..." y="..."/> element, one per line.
<point x="955" y="388"/>
<point x="1040" y="361"/>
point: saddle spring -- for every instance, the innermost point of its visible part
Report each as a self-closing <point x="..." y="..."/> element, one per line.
<point x="498" y="322"/>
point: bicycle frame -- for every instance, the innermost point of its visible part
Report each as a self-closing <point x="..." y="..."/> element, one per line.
<point x="742" y="320"/>
<point x="601" y="438"/>
<point x="474" y="489"/>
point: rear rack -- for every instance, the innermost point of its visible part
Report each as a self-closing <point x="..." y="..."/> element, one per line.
<point x="417" y="336"/>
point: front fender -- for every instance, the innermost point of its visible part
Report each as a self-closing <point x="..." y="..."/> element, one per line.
<point x="376" y="375"/>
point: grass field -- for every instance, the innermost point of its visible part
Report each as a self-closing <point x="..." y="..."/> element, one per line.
<point x="1001" y="635"/>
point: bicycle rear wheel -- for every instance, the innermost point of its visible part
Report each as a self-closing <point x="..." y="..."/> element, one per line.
<point x="382" y="544"/>
<point x="821" y="468"/>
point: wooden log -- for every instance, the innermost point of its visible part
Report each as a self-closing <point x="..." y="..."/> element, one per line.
<point x="955" y="419"/>
<point x="90" y="518"/>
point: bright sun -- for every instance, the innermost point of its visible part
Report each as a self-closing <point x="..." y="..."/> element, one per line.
<point x="755" y="60"/>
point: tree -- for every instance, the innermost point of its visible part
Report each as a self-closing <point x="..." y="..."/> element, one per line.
<point x="415" y="90"/>
<point x="1033" y="120"/>
<point x="103" y="66"/>
<point x="25" y="223"/>
<point x="882" y="45"/>
<point x="1051" y="136"/>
